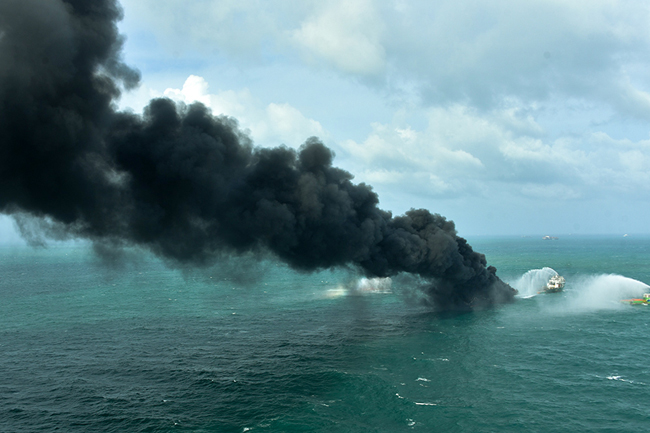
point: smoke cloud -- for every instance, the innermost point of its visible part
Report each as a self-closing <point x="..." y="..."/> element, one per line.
<point x="183" y="183"/>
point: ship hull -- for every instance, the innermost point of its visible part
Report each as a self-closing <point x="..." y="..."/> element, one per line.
<point x="553" y="290"/>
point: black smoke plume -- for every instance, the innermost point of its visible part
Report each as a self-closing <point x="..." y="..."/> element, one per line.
<point x="183" y="183"/>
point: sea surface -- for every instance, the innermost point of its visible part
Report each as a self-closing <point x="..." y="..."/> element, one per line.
<point x="134" y="345"/>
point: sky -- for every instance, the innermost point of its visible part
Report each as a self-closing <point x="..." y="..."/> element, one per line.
<point x="508" y="117"/>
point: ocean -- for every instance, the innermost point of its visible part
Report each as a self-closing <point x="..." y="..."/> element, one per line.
<point x="139" y="346"/>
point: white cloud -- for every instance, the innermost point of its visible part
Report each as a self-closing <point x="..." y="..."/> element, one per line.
<point x="630" y="101"/>
<point x="502" y="102"/>
<point x="476" y="52"/>
<point x="194" y="89"/>
<point x="285" y="124"/>
<point x="269" y="125"/>
<point x="346" y="33"/>
<point x="486" y="51"/>
<point x="238" y="28"/>
<point x="463" y="151"/>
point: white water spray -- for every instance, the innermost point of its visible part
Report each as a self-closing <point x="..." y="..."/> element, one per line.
<point x="373" y="285"/>
<point x="533" y="281"/>
<point x="598" y="292"/>
<point x="362" y="286"/>
<point x="582" y="293"/>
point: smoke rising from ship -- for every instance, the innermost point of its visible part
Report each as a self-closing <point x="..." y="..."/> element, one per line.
<point x="183" y="183"/>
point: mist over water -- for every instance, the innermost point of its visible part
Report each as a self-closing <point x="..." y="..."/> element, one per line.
<point x="373" y="285"/>
<point x="600" y="292"/>
<point x="582" y="293"/>
<point x="361" y="287"/>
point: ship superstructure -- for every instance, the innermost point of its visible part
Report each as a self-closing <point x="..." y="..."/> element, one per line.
<point x="555" y="284"/>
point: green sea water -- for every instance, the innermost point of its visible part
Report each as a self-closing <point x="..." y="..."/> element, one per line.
<point x="141" y="347"/>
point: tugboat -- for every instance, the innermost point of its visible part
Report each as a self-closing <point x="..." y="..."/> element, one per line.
<point x="554" y="285"/>
<point x="638" y="301"/>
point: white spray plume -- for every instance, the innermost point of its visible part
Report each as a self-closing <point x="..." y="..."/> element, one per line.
<point x="373" y="285"/>
<point x="600" y="292"/>
<point x="533" y="281"/>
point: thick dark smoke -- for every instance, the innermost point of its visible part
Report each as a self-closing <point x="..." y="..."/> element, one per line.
<point x="185" y="184"/>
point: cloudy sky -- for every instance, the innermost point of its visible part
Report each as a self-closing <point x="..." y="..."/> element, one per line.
<point x="508" y="117"/>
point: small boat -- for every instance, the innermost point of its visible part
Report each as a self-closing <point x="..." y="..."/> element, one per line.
<point x="638" y="301"/>
<point x="555" y="284"/>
